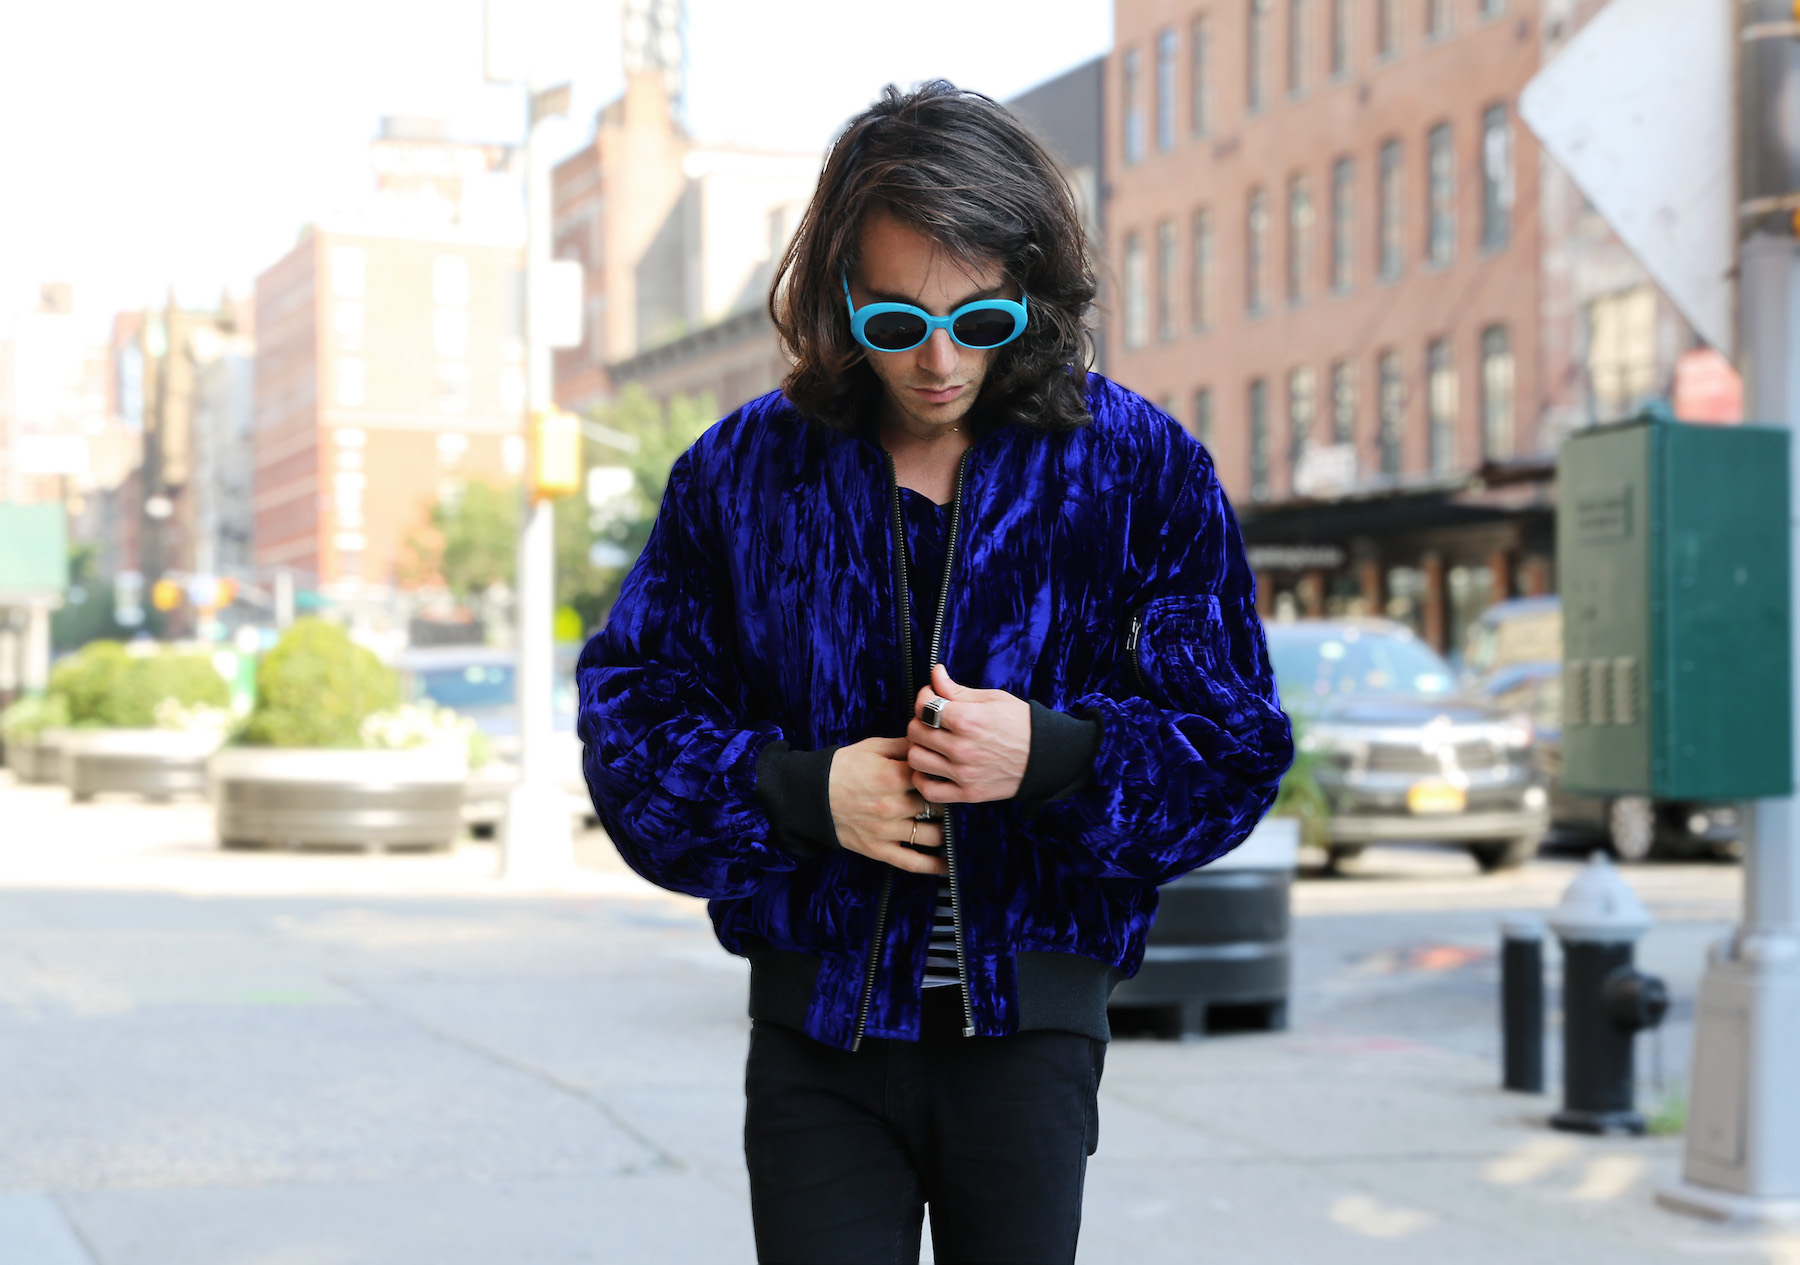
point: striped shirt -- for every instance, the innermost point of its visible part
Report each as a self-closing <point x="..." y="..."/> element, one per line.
<point x="927" y="532"/>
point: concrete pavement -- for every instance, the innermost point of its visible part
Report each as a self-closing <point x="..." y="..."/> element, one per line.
<point x="213" y="1058"/>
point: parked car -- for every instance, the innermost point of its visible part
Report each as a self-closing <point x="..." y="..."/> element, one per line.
<point x="1518" y="630"/>
<point x="1635" y="826"/>
<point x="1401" y="755"/>
<point x="481" y="682"/>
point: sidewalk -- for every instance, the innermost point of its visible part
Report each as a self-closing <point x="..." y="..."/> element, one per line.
<point x="241" y="1059"/>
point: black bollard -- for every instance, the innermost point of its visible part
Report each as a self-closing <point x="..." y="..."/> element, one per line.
<point x="1522" y="1004"/>
<point x="1606" y="1001"/>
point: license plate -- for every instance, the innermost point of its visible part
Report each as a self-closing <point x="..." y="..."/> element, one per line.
<point x="1436" y="797"/>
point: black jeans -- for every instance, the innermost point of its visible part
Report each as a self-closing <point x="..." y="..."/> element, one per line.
<point x="845" y="1150"/>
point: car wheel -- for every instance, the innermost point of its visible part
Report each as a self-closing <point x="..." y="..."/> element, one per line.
<point x="1504" y="854"/>
<point x="1337" y="854"/>
<point x="1631" y="827"/>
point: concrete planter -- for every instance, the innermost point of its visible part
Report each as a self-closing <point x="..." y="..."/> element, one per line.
<point x="1221" y="939"/>
<point x="273" y="797"/>
<point x="37" y="760"/>
<point x="158" y="764"/>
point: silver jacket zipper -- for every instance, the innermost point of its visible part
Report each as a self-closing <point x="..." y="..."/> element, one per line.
<point x="878" y="939"/>
<point x="937" y="645"/>
<point x="1131" y="651"/>
<point x="902" y="589"/>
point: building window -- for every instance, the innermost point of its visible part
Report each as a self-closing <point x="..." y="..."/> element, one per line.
<point x="347" y="323"/>
<point x="1205" y="270"/>
<point x="1303" y="408"/>
<point x="1437" y="19"/>
<point x="1390" y="401"/>
<point x="1165" y="90"/>
<point x="1300" y="238"/>
<point x="1390" y="246"/>
<point x="1256" y="253"/>
<point x="1496" y="178"/>
<point x="450" y="332"/>
<point x="1343" y="224"/>
<point x="1203" y="416"/>
<point x="1440" y="402"/>
<point x="1387" y="28"/>
<point x="1343" y="402"/>
<point x="1200" y="56"/>
<point x="1496" y="393"/>
<point x="352" y="385"/>
<point x="1492" y="8"/>
<point x="1342" y="17"/>
<point x="1299" y="46"/>
<point x="349" y="272"/>
<point x="450" y="280"/>
<point x="1259" y="439"/>
<point x="453" y="387"/>
<point x="1137" y="294"/>
<point x="1166" y="284"/>
<point x="1621" y="359"/>
<point x="1256" y="53"/>
<point x="1440" y="207"/>
<point x="1134" y="106"/>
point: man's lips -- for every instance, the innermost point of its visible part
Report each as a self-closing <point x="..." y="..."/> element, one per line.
<point x="942" y="395"/>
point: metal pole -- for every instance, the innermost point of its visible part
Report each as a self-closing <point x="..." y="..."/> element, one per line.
<point x="538" y="834"/>
<point x="1522" y="1004"/>
<point x="1742" y="1160"/>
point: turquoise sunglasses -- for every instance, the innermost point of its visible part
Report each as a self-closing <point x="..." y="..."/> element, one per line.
<point x="979" y="326"/>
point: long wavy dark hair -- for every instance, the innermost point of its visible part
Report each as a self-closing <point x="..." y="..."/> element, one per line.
<point x="962" y="170"/>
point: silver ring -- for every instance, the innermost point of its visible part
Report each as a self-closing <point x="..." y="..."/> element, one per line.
<point x="934" y="712"/>
<point x="925" y="814"/>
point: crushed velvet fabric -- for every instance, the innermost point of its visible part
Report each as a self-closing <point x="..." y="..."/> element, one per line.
<point x="763" y="610"/>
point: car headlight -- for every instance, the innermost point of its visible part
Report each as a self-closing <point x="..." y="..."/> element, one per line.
<point x="1515" y="735"/>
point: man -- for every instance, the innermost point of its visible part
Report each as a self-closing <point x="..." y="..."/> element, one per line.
<point x="935" y="665"/>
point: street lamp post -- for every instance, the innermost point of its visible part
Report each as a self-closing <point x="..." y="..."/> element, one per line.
<point x="536" y="837"/>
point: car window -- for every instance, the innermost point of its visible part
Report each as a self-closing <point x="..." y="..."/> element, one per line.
<point x="468" y="688"/>
<point x="1331" y="662"/>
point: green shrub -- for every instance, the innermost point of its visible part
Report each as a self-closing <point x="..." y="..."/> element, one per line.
<point x="315" y="689"/>
<point x="1300" y="795"/>
<point x="105" y="686"/>
<point x="30" y="716"/>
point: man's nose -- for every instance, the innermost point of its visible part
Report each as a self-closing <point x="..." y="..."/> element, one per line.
<point x="938" y="356"/>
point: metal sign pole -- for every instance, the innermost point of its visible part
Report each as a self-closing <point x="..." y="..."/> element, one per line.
<point x="1742" y="1159"/>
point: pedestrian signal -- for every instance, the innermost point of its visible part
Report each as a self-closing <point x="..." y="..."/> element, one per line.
<point x="555" y="468"/>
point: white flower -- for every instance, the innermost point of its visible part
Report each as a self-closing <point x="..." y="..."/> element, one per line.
<point x="417" y="725"/>
<point x="198" y="718"/>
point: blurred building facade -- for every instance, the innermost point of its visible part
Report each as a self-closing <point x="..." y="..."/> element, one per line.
<point x="678" y="242"/>
<point x="389" y="365"/>
<point x="1342" y="262"/>
<point x="389" y="372"/>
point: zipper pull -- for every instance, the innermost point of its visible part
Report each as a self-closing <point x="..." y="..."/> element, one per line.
<point x="1131" y="639"/>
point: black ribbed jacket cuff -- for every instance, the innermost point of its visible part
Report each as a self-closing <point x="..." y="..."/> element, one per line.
<point x="795" y="789"/>
<point x="1062" y="756"/>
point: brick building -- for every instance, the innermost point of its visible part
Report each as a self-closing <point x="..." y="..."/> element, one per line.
<point x="389" y="372"/>
<point x="1326" y="255"/>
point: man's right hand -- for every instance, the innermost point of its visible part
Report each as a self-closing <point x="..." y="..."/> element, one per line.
<point x="873" y="806"/>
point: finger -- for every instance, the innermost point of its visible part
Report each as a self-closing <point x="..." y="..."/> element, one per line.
<point x="892" y="748"/>
<point x="939" y="792"/>
<point x="941" y="682"/>
<point x="926" y="760"/>
<point x="930" y="834"/>
<point x="925" y="696"/>
<point x="906" y="859"/>
<point x="919" y="734"/>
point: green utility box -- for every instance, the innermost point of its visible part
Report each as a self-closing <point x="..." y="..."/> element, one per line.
<point x="1672" y="554"/>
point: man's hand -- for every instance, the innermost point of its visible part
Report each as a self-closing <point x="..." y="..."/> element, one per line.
<point x="873" y="805"/>
<point x="981" y="748"/>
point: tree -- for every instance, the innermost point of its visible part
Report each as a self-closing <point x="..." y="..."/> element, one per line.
<point x="471" y="542"/>
<point x="622" y="528"/>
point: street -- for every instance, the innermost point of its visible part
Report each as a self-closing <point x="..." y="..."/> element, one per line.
<point x="244" y="1058"/>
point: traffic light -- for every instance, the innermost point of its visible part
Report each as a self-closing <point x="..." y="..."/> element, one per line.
<point x="165" y="595"/>
<point x="555" y="469"/>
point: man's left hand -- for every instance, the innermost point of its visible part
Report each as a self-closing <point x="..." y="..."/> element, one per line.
<point x="981" y="748"/>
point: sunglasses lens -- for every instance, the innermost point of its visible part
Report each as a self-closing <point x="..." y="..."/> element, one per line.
<point x="986" y="327"/>
<point x="894" y="331"/>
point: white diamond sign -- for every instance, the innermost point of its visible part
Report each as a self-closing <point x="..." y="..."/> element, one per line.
<point x="1637" y="109"/>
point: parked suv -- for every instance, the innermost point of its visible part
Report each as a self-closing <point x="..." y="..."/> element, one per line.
<point x="1399" y="754"/>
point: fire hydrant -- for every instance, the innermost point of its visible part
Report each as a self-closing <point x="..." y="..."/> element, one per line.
<point x="1606" y="1000"/>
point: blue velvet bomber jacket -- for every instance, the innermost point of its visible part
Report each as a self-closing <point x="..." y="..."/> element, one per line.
<point x="1097" y="573"/>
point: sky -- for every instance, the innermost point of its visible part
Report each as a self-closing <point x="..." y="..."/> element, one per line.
<point x="184" y="143"/>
